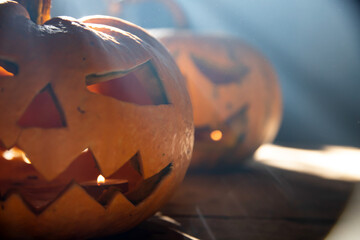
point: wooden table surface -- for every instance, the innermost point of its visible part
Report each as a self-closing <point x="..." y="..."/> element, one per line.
<point x="252" y="202"/>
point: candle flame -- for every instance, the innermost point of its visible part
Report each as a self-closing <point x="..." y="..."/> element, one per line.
<point x="100" y="179"/>
<point x="15" y="153"/>
<point x="216" y="135"/>
<point x="25" y="158"/>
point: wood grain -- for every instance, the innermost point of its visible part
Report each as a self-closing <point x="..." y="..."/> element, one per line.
<point x="253" y="202"/>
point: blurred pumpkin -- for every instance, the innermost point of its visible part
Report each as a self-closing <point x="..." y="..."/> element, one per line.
<point x="234" y="91"/>
<point x="81" y="99"/>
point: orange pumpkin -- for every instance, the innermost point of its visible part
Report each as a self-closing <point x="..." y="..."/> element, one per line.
<point x="80" y="98"/>
<point x="234" y="92"/>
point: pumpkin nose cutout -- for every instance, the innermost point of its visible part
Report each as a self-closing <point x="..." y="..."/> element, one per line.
<point x="44" y="111"/>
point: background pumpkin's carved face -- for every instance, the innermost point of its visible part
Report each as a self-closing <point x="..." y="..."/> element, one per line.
<point x="234" y="92"/>
<point x="79" y="99"/>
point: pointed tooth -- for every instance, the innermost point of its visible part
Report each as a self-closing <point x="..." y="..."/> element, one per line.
<point x="46" y="154"/>
<point x="8" y="135"/>
<point x="146" y="188"/>
<point x="83" y="202"/>
<point x="16" y="213"/>
<point x="121" y="204"/>
<point x="136" y="163"/>
<point x="113" y="157"/>
<point x="83" y="168"/>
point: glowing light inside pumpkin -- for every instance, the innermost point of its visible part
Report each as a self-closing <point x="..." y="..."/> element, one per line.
<point x="25" y="158"/>
<point x="9" y="154"/>
<point x="15" y="153"/>
<point x="216" y="135"/>
<point x="100" y="179"/>
<point x="5" y="73"/>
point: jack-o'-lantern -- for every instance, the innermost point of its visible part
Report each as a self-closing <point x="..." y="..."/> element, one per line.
<point x="234" y="92"/>
<point x="96" y="126"/>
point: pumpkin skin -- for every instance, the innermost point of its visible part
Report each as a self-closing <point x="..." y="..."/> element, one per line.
<point x="232" y="89"/>
<point x="66" y="61"/>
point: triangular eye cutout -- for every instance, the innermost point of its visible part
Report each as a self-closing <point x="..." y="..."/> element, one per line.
<point x="220" y="75"/>
<point x="8" y="69"/>
<point x="44" y="111"/>
<point x="140" y="85"/>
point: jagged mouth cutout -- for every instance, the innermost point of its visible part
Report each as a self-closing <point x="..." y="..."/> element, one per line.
<point x="234" y="129"/>
<point x="139" y="85"/>
<point x="18" y="176"/>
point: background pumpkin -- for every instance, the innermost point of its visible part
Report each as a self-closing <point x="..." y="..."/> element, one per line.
<point x="234" y="92"/>
<point x="142" y="132"/>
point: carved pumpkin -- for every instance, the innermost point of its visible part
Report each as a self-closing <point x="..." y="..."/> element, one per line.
<point x="234" y="92"/>
<point x="79" y="99"/>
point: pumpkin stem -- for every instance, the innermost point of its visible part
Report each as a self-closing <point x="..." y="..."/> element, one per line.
<point x="39" y="10"/>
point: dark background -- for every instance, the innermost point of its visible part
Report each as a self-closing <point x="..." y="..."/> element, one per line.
<point x="313" y="45"/>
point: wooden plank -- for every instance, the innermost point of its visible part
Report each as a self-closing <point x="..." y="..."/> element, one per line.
<point x="260" y="192"/>
<point x="253" y="202"/>
<point x="193" y="228"/>
<point x="247" y="228"/>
